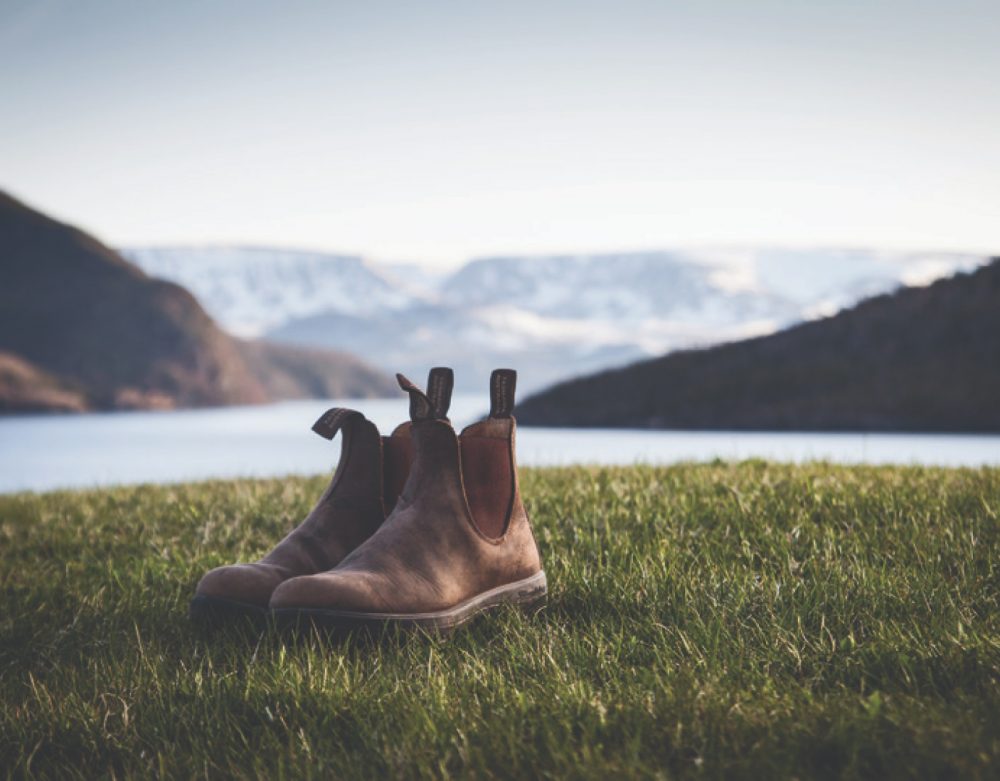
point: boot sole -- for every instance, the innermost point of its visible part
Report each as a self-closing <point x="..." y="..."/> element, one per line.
<point x="528" y="593"/>
<point x="216" y="610"/>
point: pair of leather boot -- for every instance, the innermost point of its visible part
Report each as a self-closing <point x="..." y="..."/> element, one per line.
<point x="422" y="528"/>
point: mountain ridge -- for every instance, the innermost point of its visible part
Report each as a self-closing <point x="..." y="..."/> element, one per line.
<point x="920" y="359"/>
<point x="552" y="316"/>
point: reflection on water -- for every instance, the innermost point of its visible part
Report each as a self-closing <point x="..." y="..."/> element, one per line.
<point x="44" y="452"/>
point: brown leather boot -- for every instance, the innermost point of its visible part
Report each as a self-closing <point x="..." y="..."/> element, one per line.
<point x="457" y="543"/>
<point x="370" y="475"/>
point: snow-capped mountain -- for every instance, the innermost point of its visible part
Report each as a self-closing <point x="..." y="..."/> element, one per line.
<point x="552" y="317"/>
<point x="705" y="286"/>
<point x="252" y="290"/>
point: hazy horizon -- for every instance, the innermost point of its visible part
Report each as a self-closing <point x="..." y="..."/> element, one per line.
<point x="699" y="253"/>
<point x="440" y="132"/>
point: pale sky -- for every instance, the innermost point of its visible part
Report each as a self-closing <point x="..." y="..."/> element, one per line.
<point x="438" y="131"/>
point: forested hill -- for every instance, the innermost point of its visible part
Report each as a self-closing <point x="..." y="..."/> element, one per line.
<point x="919" y="359"/>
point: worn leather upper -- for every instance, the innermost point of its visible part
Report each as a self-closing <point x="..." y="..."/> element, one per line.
<point x="346" y="514"/>
<point x="370" y="475"/>
<point x="430" y="554"/>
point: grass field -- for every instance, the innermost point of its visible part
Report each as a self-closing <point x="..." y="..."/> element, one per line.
<point x="750" y="620"/>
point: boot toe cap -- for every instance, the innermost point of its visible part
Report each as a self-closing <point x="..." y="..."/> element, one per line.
<point x="252" y="584"/>
<point x="351" y="592"/>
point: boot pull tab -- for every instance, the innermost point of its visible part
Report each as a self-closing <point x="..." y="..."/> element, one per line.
<point x="502" y="385"/>
<point x="333" y="420"/>
<point x="421" y="407"/>
<point x="440" y="383"/>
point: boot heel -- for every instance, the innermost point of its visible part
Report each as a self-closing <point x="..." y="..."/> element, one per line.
<point x="533" y="597"/>
<point x="534" y="606"/>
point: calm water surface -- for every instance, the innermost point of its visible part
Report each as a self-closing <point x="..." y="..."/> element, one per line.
<point x="44" y="452"/>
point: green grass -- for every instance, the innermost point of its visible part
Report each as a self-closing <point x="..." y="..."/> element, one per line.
<point x="720" y="620"/>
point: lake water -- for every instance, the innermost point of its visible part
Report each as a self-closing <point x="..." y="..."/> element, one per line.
<point x="42" y="452"/>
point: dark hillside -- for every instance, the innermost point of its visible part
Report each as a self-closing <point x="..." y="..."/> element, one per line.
<point x="78" y="315"/>
<point x="920" y="359"/>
